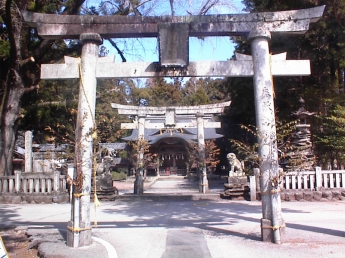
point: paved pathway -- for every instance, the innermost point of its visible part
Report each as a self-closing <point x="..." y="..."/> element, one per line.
<point x="169" y="229"/>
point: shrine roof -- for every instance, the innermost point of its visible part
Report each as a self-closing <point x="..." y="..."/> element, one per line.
<point x="189" y="134"/>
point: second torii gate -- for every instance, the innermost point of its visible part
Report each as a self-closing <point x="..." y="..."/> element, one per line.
<point x="199" y="116"/>
<point x="173" y="34"/>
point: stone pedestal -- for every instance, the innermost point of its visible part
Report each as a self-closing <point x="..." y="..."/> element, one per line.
<point x="237" y="186"/>
<point x="105" y="190"/>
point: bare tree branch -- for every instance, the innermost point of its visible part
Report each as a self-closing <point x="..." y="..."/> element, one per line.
<point x="118" y="50"/>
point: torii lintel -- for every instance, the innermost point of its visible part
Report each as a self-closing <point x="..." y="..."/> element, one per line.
<point x="117" y="26"/>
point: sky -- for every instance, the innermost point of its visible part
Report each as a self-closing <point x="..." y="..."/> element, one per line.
<point x="146" y="50"/>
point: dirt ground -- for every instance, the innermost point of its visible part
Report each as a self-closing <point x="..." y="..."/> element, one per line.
<point x="17" y="244"/>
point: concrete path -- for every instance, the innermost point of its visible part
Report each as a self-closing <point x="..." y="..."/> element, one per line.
<point x="186" y="229"/>
<point x="217" y="228"/>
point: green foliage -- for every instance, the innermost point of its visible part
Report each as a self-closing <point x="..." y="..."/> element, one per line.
<point x="140" y="156"/>
<point x="247" y="149"/>
<point x="108" y="120"/>
<point x="4" y="48"/>
<point x="117" y="176"/>
<point x="330" y="139"/>
<point x="211" y="152"/>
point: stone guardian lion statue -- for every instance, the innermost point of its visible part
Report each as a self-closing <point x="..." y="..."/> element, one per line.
<point x="235" y="165"/>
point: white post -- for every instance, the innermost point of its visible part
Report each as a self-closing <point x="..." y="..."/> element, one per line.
<point x="272" y="221"/>
<point x="337" y="180"/>
<point x="331" y="181"/>
<point x="318" y="178"/>
<point x="31" y="185"/>
<point x="81" y="229"/>
<point x="17" y="181"/>
<point x="312" y="183"/>
<point x="28" y="151"/>
<point x="252" y="186"/>
<point x="257" y="179"/>
<point x="70" y="173"/>
<point x="305" y="181"/>
<point x="56" y="181"/>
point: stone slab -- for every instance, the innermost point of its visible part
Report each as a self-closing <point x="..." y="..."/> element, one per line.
<point x="51" y="26"/>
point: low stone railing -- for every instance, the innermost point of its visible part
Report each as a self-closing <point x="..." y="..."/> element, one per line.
<point x="33" y="183"/>
<point x="307" y="185"/>
<point x="314" y="180"/>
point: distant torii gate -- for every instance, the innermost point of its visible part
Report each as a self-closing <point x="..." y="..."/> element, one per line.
<point x="173" y="33"/>
<point x="199" y="116"/>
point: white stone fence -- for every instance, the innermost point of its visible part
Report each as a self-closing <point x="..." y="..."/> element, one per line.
<point x="310" y="181"/>
<point x="314" y="180"/>
<point x="33" y="183"/>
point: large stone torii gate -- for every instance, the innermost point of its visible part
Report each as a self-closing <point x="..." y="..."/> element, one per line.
<point x="173" y="34"/>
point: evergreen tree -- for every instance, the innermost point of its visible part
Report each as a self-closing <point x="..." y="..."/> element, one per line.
<point x="21" y="56"/>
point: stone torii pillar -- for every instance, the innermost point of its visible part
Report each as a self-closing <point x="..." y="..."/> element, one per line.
<point x="203" y="186"/>
<point x="272" y="221"/>
<point x="79" y="227"/>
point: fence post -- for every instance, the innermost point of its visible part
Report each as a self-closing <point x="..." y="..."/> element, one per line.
<point x="56" y="181"/>
<point x="252" y="186"/>
<point x="17" y="181"/>
<point x="257" y="179"/>
<point x="318" y="175"/>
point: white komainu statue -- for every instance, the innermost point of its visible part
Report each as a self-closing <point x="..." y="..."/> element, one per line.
<point x="235" y="165"/>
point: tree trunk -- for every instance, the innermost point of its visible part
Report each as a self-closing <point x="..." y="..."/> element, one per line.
<point x="10" y="116"/>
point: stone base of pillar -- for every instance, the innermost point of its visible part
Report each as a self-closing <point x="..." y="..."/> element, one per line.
<point x="85" y="234"/>
<point x="77" y="238"/>
<point x="267" y="234"/>
<point x="266" y="230"/>
<point x="72" y="237"/>
<point x="203" y="184"/>
<point x="282" y="231"/>
<point x="138" y="184"/>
